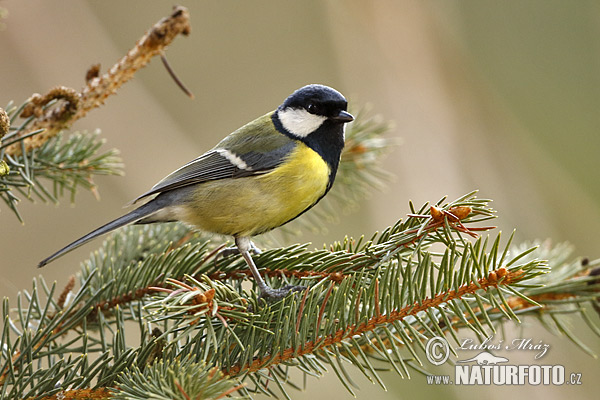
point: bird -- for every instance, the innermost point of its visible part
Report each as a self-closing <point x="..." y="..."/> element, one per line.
<point x="260" y="177"/>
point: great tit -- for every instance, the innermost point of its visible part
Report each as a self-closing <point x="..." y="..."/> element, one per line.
<point x="263" y="175"/>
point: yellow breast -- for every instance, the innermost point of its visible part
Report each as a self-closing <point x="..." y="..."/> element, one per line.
<point x="253" y="205"/>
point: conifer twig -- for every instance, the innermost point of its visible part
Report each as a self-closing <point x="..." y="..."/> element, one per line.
<point x="79" y="394"/>
<point x="495" y="279"/>
<point x="98" y="88"/>
<point x="4" y="124"/>
<point x="394" y="294"/>
<point x="4" y="127"/>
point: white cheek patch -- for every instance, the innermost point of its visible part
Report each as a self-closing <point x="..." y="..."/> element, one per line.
<point x="299" y="122"/>
<point x="234" y="159"/>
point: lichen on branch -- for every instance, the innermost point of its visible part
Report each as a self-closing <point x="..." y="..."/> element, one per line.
<point x="75" y="105"/>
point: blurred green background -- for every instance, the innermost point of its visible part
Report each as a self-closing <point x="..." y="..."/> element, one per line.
<point x="496" y="96"/>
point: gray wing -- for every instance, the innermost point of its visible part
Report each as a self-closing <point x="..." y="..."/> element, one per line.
<point x="222" y="163"/>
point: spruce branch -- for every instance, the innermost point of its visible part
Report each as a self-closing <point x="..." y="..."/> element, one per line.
<point x="369" y="302"/>
<point x="496" y="278"/>
<point x="4" y="124"/>
<point x="174" y="380"/>
<point x="4" y="127"/>
<point x="203" y="332"/>
<point x="60" y="165"/>
<point x="30" y="149"/>
<point x="99" y="87"/>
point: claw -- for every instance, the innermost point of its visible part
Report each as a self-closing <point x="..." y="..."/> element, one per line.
<point x="271" y="295"/>
<point x="244" y="246"/>
<point x="228" y="251"/>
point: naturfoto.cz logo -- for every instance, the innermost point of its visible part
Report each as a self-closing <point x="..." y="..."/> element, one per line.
<point x="488" y="369"/>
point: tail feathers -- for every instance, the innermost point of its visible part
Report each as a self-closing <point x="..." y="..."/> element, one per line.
<point x="133" y="216"/>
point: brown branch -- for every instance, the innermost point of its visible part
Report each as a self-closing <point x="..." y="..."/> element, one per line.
<point x="63" y="295"/>
<point x="106" y="305"/>
<point x="4" y="124"/>
<point x="61" y="115"/>
<point x="274" y="273"/>
<point x="79" y="394"/>
<point x="517" y="303"/>
<point x="181" y="390"/>
<point x="4" y="128"/>
<point x="301" y="310"/>
<point x="514" y="303"/>
<point x="230" y="390"/>
<point x="499" y="277"/>
<point x="98" y="88"/>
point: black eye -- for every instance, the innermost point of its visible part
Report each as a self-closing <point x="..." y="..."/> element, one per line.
<point x="313" y="108"/>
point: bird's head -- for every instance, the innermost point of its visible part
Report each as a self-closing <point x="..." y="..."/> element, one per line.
<point x="312" y="106"/>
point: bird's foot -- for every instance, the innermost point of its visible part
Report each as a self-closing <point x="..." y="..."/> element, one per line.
<point x="271" y="295"/>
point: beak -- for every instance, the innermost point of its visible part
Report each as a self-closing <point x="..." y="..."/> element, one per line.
<point x="343" y="117"/>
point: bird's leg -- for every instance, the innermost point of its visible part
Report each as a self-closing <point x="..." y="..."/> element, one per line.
<point x="267" y="293"/>
<point x="234" y="250"/>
